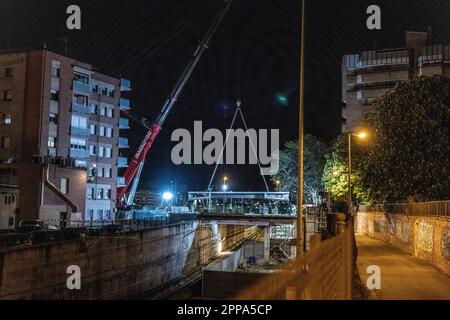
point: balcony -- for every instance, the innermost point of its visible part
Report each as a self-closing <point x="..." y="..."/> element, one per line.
<point x="125" y="85"/>
<point x="8" y="180"/>
<point x="122" y="162"/>
<point x="78" y="153"/>
<point x="81" y="86"/>
<point x="80" y="108"/>
<point x="84" y="132"/>
<point x="124" y="123"/>
<point x="120" y="182"/>
<point x="124" y="104"/>
<point x="123" y="143"/>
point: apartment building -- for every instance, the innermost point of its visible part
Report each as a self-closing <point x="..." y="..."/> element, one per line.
<point x="370" y="74"/>
<point x="59" y="137"/>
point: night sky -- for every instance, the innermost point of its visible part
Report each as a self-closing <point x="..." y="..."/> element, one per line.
<point x="254" y="56"/>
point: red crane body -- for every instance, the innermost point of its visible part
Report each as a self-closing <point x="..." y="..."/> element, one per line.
<point x="133" y="171"/>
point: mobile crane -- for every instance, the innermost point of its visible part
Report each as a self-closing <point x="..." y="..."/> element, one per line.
<point x="133" y="172"/>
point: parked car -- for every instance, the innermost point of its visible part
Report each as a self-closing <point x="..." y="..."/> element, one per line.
<point x="44" y="236"/>
<point x="33" y="225"/>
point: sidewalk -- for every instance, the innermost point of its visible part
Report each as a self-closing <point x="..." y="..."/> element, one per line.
<point x="402" y="275"/>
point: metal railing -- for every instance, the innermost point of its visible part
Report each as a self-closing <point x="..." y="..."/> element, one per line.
<point x="432" y="208"/>
<point x="324" y="273"/>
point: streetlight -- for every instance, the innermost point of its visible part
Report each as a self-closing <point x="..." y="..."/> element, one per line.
<point x="224" y="186"/>
<point x="277" y="183"/>
<point x="361" y="135"/>
<point x="167" y="196"/>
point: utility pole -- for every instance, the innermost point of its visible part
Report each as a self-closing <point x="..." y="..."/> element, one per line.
<point x="300" y="235"/>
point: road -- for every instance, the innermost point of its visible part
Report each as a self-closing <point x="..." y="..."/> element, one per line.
<point x="403" y="277"/>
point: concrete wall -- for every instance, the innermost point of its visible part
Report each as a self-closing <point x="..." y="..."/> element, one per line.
<point x="114" y="267"/>
<point x="427" y="238"/>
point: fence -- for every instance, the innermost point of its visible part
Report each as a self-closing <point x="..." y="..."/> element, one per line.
<point x="324" y="273"/>
<point x="432" y="208"/>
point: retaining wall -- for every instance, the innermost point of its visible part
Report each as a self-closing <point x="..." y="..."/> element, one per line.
<point x="427" y="238"/>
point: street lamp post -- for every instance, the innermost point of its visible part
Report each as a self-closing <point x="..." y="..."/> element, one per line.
<point x="299" y="224"/>
<point x="361" y="135"/>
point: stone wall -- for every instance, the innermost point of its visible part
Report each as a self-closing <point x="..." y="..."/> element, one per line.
<point x="115" y="267"/>
<point x="427" y="238"/>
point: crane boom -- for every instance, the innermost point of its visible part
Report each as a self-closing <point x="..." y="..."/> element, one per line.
<point x="133" y="172"/>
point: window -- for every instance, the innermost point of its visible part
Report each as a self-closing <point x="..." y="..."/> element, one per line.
<point x="95" y="88"/>
<point x="7" y="119"/>
<point x="95" y="108"/>
<point x="51" y="142"/>
<point x="110" y="112"/>
<point x="78" y="144"/>
<point x="100" y="214"/>
<point x="11" y="221"/>
<point x="9" y="72"/>
<point x="81" y="77"/>
<point x="53" y="118"/>
<point x="108" y="194"/>
<point x="91" y="214"/>
<point x="79" y="122"/>
<point x="92" y="150"/>
<point x="109" y="132"/>
<point x="54" y="95"/>
<point x="81" y="99"/>
<point x="104" y="91"/>
<point x="80" y="164"/>
<point x="107" y="152"/>
<point x="7" y="95"/>
<point x="56" y="71"/>
<point x="6" y="142"/>
<point x="102" y="131"/>
<point x="100" y="193"/>
<point x="101" y="151"/>
<point x="93" y="129"/>
<point x="107" y="214"/>
<point x="111" y="93"/>
<point x="103" y="111"/>
<point x="65" y="185"/>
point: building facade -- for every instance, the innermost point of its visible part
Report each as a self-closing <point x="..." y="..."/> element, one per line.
<point x="59" y="136"/>
<point x="370" y="74"/>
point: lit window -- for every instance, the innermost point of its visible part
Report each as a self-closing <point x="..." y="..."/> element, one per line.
<point x="56" y="71"/>
<point x="51" y="142"/>
<point x="109" y="132"/>
<point x="65" y="185"/>
<point x="92" y="150"/>
<point x="107" y="152"/>
<point x="78" y="144"/>
<point x="79" y="122"/>
<point x="7" y="119"/>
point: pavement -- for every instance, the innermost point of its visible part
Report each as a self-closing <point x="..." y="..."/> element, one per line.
<point x="403" y="277"/>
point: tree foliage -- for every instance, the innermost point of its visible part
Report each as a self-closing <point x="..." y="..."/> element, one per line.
<point x="314" y="162"/>
<point x="410" y="143"/>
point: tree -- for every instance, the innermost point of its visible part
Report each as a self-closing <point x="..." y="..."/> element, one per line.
<point x="335" y="173"/>
<point x="313" y="164"/>
<point x="410" y="150"/>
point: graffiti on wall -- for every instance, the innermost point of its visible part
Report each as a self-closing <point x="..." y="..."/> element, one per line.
<point x="403" y="232"/>
<point x="445" y="244"/>
<point x="425" y="236"/>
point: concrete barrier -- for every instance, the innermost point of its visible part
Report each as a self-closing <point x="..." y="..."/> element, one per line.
<point x="114" y="267"/>
<point x="427" y="238"/>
